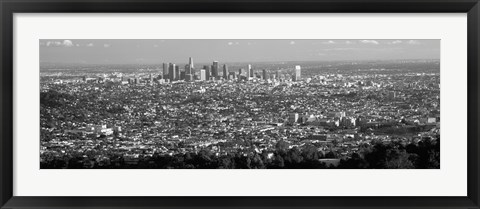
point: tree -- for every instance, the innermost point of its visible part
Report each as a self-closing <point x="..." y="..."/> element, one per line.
<point x="257" y="162"/>
<point x="355" y="162"/>
<point x="377" y="157"/>
<point x="310" y="153"/>
<point x="398" y="159"/>
<point x="428" y="154"/>
<point x="282" y="146"/>
<point x="331" y="154"/>
<point x="278" y="162"/>
<point x="294" y="158"/>
<point x="226" y="162"/>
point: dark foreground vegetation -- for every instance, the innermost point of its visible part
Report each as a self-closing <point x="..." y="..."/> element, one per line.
<point x="424" y="154"/>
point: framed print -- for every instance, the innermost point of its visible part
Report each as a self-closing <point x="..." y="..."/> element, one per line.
<point x="263" y="104"/>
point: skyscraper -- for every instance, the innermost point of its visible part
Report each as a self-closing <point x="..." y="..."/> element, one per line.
<point x="232" y="75"/>
<point x="177" y="72"/>
<point x="171" y="71"/>
<point x="264" y="74"/>
<point x="203" y="74"/>
<point x="249" y="71"/>
<point x="297" y="73"/>
<point x="165" y="70"/>
<point x="187" y="69"/>
<point x="207" y="72"/>
<point x="182" y="75"/>
<point x="225" y="72"/>
<point x="215" y="69"/>
<point x="241" y="72"/>
<point x="190" y="63"/>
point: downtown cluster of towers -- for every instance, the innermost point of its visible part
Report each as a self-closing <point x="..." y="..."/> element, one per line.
<point x="173" y="72"/>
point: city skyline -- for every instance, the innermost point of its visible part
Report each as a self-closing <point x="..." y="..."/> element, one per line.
<point x="113" y="51"/>
<point x="196" y="109"/>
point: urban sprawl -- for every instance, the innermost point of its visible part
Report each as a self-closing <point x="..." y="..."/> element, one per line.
<point x="346" y="114"/>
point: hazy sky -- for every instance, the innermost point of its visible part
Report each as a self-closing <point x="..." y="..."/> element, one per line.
<point x="141" y="51"/>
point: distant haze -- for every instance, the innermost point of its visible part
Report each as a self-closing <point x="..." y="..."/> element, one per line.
<point x="141" y="51"/>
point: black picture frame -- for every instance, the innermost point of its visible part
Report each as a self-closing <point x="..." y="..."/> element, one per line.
<point x="9" y="7"/>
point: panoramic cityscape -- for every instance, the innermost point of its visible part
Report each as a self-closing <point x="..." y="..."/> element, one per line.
<point x="266" y="104"/>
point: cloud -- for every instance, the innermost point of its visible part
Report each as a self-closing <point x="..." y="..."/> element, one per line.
<point x="90" y="45"/>
<point x="328" y="42"/>
<point x="77" y="45"/>
<point x="155" y="45"/>
<point x="67" y="43"/>
<point x="396" y="42"/>
<point x="413" y="42"/>
<point x="348" y="42"/>
<point x="292" y="42"/>
<point x="64" y="43"/>
<point x="369" y="42"/>
<point x="340" y="49"/>
<point x="106" y="45"/>
<point x="233" y="43"/>
<point x="53" y="43"/>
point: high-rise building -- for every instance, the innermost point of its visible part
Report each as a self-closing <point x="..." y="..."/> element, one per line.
<point x="225" y="72"/>
<point x="264" y="74"/>
<point x="297" y="75"/>
<point x="165" y="70"/>
<point x="171" y="71"/>
<point x="249" y="71"/>
<point x="203" y="75"/>
<point x="192" y="71"/>
<point x="215" y="69"/>
<point x="177" y="72"/>
<point x="293" y="118"/>
<point x="241" y="72"/>
<point x="190" y="63"/>
<point x="182" y="75"/>
<point x="232" y="75"/>
<point x="188" y="70"/>
<point x="207" y="72"/>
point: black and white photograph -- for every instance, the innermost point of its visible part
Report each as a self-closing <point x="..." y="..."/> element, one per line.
<point x="239" y="104"/>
